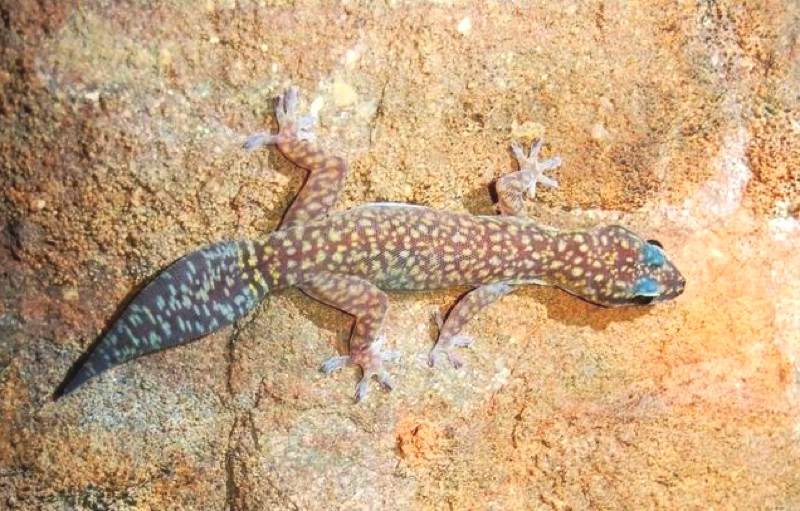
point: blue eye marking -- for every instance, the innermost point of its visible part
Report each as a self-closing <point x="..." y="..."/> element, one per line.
<point x="646" y="286"/>
<point x="653" y="256"/>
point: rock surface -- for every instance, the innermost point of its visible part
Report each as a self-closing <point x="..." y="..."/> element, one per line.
<point x="120" y="133"/>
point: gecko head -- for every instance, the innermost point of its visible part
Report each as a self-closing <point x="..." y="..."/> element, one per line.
<point x="613" y="267"/>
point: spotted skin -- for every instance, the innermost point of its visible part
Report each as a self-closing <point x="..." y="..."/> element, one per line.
<point x="347" y="260"/>
<point x="325" y="174"/>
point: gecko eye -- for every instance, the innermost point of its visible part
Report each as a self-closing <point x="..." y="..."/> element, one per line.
<point x="656" y="243"/>
<point x="652" y="255"/>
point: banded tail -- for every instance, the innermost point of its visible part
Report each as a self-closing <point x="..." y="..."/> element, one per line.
<point x="196" y="295"/>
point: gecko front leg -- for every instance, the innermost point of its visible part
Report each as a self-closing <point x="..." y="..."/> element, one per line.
<point x="513" y="188"/>
<point x="359" y="298"/>
<point x="450" y="335"/>
<point x="295" y="140"/>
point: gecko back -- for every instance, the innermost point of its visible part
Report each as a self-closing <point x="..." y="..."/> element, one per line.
<point x="196" y="295"/>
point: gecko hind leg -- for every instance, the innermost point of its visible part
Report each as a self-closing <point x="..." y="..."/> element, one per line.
<point x="450" y="335"/>
<point x="513" y="188"/>
<point x="296" y="141"/>
<point x="359" y="298"/>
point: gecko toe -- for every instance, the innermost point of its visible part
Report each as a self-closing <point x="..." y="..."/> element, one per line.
<point x="291" y="124"/>
<point x="306" y="122"/>
<point x="363" y="384"/>
<point x="385" y="381"/>
<point x="433" y="356"/>
<point x="292" y="96"/>
<point x="256" y="140"/>
<point x="455" y="360"/>
<point x="362" y="389"/>
<point x="535" y="148"/>
<point x="334" y="363"/>
<point x="462" y="341"/>
<point x="390" y="355"/>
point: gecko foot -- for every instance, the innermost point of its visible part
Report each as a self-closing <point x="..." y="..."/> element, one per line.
<point x="447" y="345"/>
<point x="291" y="125"/>
<point x="533" y="169"/>
<point x="370" y="358"/>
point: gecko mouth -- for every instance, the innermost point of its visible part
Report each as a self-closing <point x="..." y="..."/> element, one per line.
<point x="667" y="294"/>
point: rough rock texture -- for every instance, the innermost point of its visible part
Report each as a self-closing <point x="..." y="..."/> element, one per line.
<point x="120" y="133"/>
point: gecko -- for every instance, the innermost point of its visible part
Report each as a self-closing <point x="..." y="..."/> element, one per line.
<point x="349" y="259"/>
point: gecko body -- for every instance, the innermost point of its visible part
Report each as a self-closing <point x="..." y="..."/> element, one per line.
<point x="348" y="260"/>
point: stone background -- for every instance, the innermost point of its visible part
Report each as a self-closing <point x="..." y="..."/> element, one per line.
<point x="120" y="133"/>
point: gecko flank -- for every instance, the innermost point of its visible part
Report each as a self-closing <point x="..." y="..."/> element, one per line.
<point x="348" y="260"/>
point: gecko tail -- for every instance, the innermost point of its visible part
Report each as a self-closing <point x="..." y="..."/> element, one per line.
<point x="196" y="295"/>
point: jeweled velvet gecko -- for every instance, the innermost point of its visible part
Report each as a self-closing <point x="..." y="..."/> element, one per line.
<point x="347" y="260"/>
